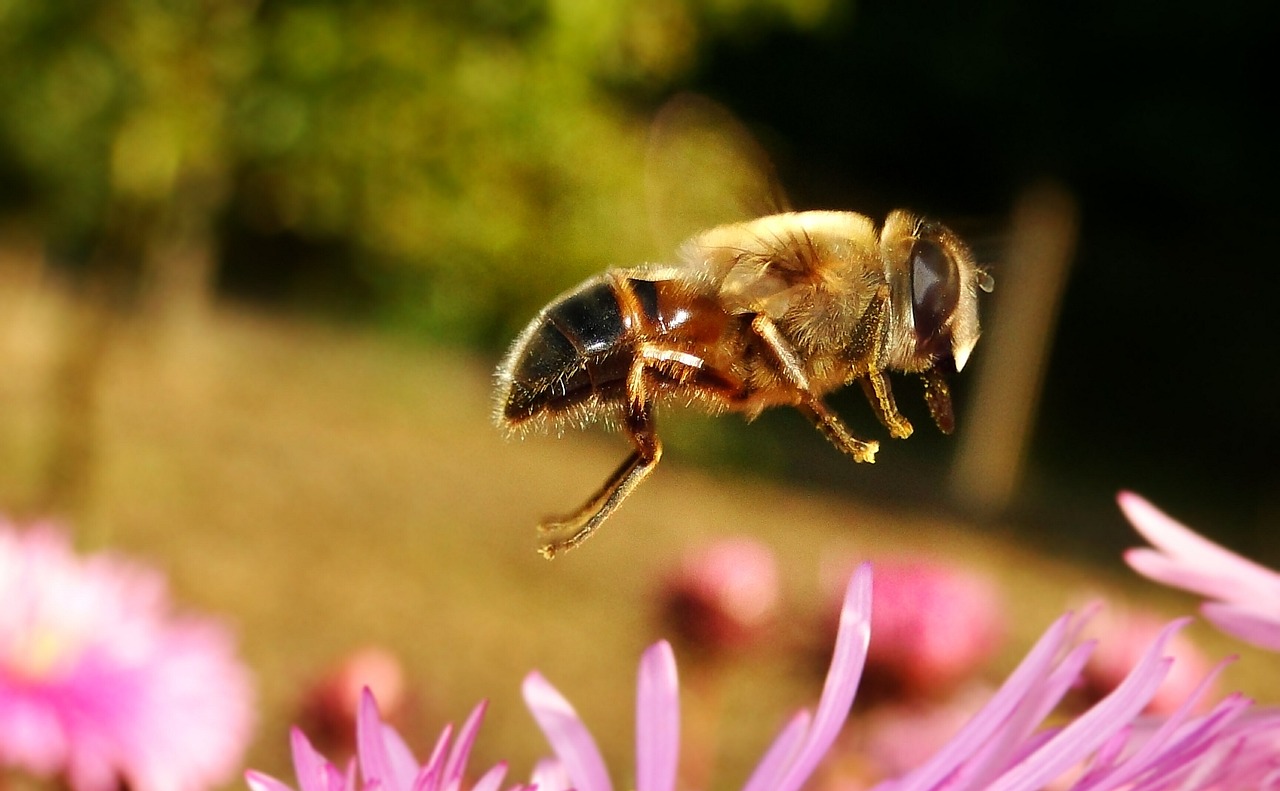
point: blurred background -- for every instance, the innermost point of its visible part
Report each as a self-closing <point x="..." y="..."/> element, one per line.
<point x="258" y="260"/>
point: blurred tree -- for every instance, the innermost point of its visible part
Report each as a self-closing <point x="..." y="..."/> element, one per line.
<point x="112" y="117"/>
<point x="430" y="146"/>
<point x="469" y="154"/>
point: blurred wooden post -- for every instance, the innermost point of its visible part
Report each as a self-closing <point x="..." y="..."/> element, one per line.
<point x="1014" y="350"/>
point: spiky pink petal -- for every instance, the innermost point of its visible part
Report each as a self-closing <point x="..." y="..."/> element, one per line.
<point x="1245" y="596"/>
<point x="385" y="761"/>
<point x="568" y="736"/>
<point x="657" y="719"/>
<point x="788" y="763"/>
<point x="841" y="685"/>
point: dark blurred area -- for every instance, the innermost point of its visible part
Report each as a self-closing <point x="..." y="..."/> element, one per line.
<point x="1150" y="119"/>
<point x="442" y="171"/>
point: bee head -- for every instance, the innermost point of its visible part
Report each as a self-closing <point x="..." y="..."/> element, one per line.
<point x="936" y="298"/>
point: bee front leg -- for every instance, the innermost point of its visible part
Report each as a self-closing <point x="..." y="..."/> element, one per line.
<point x="570" y="531"/>
<point x="937" y="394"/>
<point x="864" y="351"/>
<point x="811" y="406"/>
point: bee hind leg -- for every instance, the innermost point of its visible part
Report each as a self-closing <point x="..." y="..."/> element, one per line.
<point x="568" y="532"/>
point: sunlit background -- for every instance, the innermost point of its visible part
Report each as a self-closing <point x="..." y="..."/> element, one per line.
<point x="259" y="259"/>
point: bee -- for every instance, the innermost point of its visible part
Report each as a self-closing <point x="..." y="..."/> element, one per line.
<point x="777" y="311"/>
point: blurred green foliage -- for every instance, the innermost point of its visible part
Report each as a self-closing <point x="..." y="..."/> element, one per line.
<point x="457" y="156"/>
<point x="446" y="167"/>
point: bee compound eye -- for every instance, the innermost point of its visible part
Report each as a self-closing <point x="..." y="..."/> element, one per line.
<point x="935" y="292"/>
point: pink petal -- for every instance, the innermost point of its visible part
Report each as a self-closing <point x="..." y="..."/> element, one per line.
<point x="987" y="723"/>
<point x="1105" y="761"/>
<point x="1155" y="744"/>
<point x="257" y="781"/>
<point x="657" y="719"/>
<point x="1197" y="749"/>
<point x="492" y="779"/>
<point x="1093" y="728"/>
<point x="457" y="763"/>
<point x="1260" y="629"/>
<point x="308" y="764"/>
<point x="404" y="766"/>
<point x="1059" y="682"/>
<point x="568" y="736"/>
<point x="842" y="680"/>
<point x="778" y="757"/>
<point x="550" y="775"/>
<point x="429" y="776"/>
<point x="1252" y="763"/>
<point x="1197" y="553"/>
<point x="1166" y="533"/>
<point x="314" y="772"/>
<point x="382" y="759"/>
<point x="1015" y="740"/>
<point x="1184" y="575"/>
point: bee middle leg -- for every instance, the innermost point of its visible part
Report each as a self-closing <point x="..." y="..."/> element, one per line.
<point x="875" y="385"/>
<point x="811" y="406"/>
<point x="834" y="429"/>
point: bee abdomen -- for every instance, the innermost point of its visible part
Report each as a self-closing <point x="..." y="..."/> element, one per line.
<point x="572" y="352"/>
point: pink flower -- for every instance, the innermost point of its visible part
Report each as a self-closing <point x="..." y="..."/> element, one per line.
<point x="331" y="706"/>
<point x="101" y="683"/>
<point x="1245" y="597"/>
<point x="1123" y="637"/>
<point x="314" y="772"/>
<point x="936" y="625"/>
<point x="1004" y="747"/>
<point x="724" y="596"/>
<point x="786" y="765"/>
<point x="896" y="737"/>
<point x="386" y="763"/>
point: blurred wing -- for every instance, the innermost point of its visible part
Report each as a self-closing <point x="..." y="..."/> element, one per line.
<point x="704" y="169"/>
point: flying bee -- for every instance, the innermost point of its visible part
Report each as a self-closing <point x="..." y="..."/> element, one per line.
<point x="778" y="311"/>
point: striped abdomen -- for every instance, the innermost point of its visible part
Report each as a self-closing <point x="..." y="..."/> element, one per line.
<point x="579" y="350"/>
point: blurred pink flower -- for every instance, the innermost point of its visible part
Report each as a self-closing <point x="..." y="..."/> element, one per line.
<point x="723" y="596"/>
<point x="331" y="705"/>
<point x="1004" y="747"/>
<point x="936" y="625"/>
<point x="1245" y="596"/>
<point x="386" y="763"/>
<point x="896" y="737"/>
<point x="1123" y="636"/>
<point x="786" y="765"/>
<point x="100" y="682"/>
